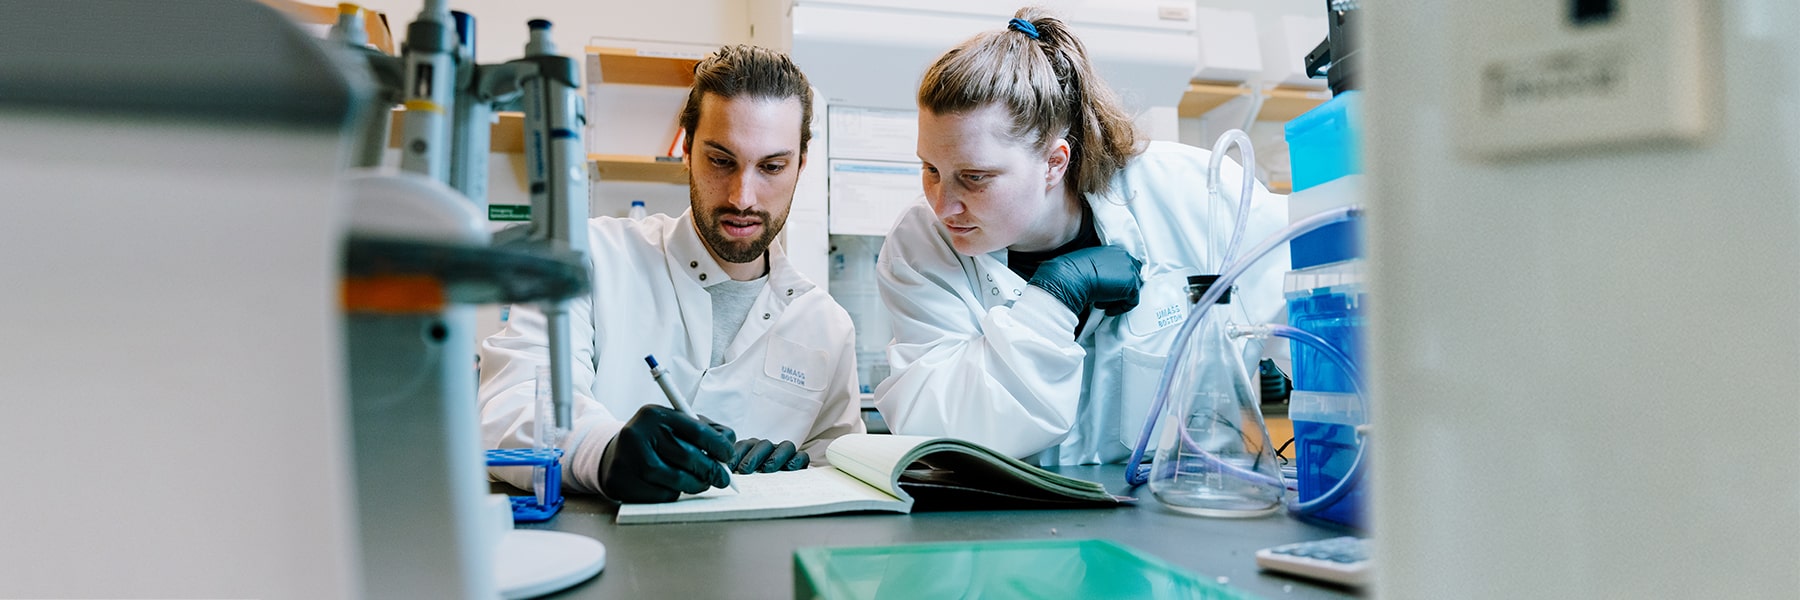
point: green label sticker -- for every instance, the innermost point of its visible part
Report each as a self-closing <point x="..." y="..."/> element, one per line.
<point x="509" y="212"/>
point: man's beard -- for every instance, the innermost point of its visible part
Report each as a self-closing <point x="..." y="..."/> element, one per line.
<point x="727" y="249"/>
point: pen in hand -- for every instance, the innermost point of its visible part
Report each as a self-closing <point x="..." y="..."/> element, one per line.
<point x="676" y="400"/>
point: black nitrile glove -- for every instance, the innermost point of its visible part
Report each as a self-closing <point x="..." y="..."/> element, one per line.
<point x="729" y="434"/>
<point x="763" y="456"/>
<point x="1276" y="387"/>
<point x="660" y="454"/>
<point x="1104" y="277"/>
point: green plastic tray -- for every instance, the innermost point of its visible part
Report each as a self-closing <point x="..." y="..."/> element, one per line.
<point x="1035" y="569"/>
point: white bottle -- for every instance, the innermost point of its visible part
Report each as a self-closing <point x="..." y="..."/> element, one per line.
<point x="637" y="210"/>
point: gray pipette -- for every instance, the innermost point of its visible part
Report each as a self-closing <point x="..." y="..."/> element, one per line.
<point x="679" y="402"/>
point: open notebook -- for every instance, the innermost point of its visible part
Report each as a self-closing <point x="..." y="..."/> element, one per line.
<point x="883" y="473"/>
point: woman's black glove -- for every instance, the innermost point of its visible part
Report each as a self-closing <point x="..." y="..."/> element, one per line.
<point x="1104" y="277"/>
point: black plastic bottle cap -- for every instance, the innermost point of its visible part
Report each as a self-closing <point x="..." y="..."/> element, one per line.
<point x="1199" y="284"/>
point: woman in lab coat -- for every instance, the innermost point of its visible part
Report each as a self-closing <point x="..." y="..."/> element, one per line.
<point x="1035" y="298"/>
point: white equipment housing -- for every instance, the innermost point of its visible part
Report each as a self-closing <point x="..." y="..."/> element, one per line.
<point x="1584" y="359"/>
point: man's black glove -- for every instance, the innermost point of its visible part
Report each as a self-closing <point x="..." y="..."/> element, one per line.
<point x="1104" y="277"/>
<point x="660" y="454"/>
<point x="763" y="456"/>
<point x="729" y="434"/>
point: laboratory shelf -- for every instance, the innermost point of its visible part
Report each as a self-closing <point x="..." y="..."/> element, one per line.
<point x="644" y="67"/>
<point x="1201" y="98"/>
<point x="507" y="136"/>
<point x="374" y="23"/>
<point x="671" y="65"/>
<point x="627" y="167"/>
<point x="1279" y="103"/>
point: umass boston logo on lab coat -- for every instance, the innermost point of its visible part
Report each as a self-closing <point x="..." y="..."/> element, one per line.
<point x="1168" y="315"/>
<point x="793" y="376"/>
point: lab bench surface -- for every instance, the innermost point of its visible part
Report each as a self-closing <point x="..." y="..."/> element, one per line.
<point x="755" y="559"/>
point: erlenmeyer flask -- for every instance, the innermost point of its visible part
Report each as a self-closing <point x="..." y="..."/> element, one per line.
<point x="1214" y="457"/>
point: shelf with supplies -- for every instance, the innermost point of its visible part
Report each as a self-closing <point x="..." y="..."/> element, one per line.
<point x="1280" y="103"/>
<point x="316" y="15"/>
<point x="507" y="136"/>
<point x="642" y="66"/>
<point x="633" y="115"/>
<point x="627" y="167"/>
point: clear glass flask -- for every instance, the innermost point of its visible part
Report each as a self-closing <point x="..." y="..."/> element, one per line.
<point x="1214" y="457"/>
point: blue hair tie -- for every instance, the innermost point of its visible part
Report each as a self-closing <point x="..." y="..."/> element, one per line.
<point x="1023" y="26"/>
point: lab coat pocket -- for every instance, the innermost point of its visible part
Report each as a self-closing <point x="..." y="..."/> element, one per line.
<point x="1162" y="303"/>
<point x="794" y="375"/>
<point x="1137" y="391"/>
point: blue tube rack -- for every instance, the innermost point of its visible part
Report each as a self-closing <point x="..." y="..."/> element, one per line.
<point x="526" y="509"/>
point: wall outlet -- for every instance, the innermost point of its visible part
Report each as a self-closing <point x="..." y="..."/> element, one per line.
<point x="1550" y="75"/>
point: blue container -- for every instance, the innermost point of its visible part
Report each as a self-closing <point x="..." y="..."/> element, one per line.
<point x="1333" y="313"/>
<point x="1323" y="145"/>
<point x="1324" y="297"/>
<point x="1323" y="454"/>
<point x="1323" y="407"/>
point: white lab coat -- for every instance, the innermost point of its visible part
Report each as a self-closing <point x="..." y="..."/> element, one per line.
<point x="978" y="354"/>
<point x="790" y="374"/>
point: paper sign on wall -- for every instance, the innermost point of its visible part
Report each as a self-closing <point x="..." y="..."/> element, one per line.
<point x="868" y="196"/>
<point x="874" y="134"/>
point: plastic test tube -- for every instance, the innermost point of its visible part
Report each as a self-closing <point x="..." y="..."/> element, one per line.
<point x="545" y="433"/>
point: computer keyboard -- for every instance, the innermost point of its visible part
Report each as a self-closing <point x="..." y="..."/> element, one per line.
<point x="1342" y="560"/>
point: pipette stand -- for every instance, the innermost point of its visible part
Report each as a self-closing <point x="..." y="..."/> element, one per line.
<point x="527" y="509"/>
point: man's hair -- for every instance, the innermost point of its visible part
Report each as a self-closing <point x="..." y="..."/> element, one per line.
<point x="747" y="71"/>
<point x="1048" y="86"/>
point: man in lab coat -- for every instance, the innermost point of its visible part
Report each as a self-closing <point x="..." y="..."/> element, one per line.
<point x="753" y="345"/>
